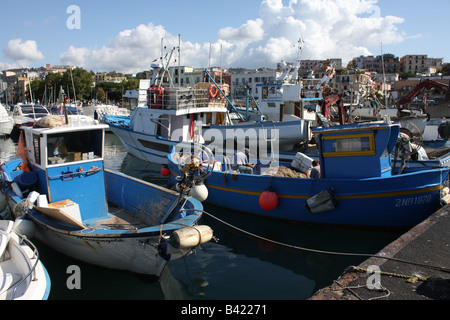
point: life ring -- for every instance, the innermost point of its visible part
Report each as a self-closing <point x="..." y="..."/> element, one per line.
<point x="213" y="91"/>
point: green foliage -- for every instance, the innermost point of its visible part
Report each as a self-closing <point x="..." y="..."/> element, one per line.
<point x="101" y="95"/>
<point x="446" y="69"/>
<point x="82" y="81"/>
<point x="84" y="86"/>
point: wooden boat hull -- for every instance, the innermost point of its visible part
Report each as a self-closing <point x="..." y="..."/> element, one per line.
<point x="135" y="254"/>
<point x="105" y="242"/>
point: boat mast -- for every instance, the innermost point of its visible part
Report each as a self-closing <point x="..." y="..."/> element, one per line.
<point x="31" y="97"/>
<point x="179" y="60"/>
<point x="384" y="77"/>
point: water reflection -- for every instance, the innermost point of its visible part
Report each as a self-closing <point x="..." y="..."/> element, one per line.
<point x="8" y="148"/>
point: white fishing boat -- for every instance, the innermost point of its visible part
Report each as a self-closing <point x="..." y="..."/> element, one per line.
<point x="22" y="274"/>
<point x="6" y="121"/>
<point x="174" y="114"/>
<point x="75" y="115"/>
<point x="97" y="111"/>
<point x="28" y="114"/>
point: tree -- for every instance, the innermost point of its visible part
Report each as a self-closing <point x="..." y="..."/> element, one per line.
<point x="101" y="95"/>
<point x="38" y="89"/>
<point x="130" y="84"/>
<point x="446" y="69"/>
<point x="53" y="80"/>
<point x="82" y="80"/>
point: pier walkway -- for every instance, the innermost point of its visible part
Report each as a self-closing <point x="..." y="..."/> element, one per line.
<point x="420" y="271"/>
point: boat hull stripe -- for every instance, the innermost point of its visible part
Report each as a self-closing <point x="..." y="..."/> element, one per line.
<point x="356" y="196"/>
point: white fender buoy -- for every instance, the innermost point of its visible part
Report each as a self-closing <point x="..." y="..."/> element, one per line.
<point x="17" y="190"/>
<point x="191" y="237"/>
<point x="24" y="227"/>
<point x="199" y="192"/>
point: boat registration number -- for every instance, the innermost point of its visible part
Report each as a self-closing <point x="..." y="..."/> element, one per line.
<point x="413" y="201"/>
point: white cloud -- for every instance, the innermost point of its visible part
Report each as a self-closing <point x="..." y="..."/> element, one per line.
<point x="330" y="29"/>
<point x="130" y="51"/>
<point x="251" y="31"/>
<point x="22" y="53"/>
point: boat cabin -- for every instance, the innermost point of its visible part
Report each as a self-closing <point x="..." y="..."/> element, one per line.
<point x="288" y="101"/>
<point x="68" y="163"/>
<point x="28" y="113"/>
<point x="170" y="113"/>
<point x="356" y="151"/>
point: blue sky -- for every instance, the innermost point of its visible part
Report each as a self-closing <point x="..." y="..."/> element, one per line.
<point x="126" y="35"/>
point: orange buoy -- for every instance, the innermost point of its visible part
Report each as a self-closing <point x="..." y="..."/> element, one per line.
<point x="165" y="172"/>
<point x="213" y="91"/>
<point x="268" y="200"/>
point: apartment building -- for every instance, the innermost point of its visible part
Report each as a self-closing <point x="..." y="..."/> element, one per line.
<point x="375" y="64"/>
<point x="250" y="79"/>
<point x="184" y="76"/>
<point x="414" y="63"/>
<point x="109" y="77"/>
<point x="353" y="83"/>
<point x="420" y="63"/>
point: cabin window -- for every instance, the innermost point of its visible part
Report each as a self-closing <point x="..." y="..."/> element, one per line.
<point x="265" y="92"/>
<point x="37" y="148"/>
<point x="349" y="145"/>
<point x="74" y="146"/>
<point x="272" y="90"/>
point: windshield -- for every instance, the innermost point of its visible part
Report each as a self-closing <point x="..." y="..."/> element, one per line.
<point x="35" y="109"/>
<point x="74" y="146"/>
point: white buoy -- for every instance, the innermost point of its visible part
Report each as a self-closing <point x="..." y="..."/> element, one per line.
<point x="191" y="237"/>
<point x="17" y="190"/>
<point x="24" y="227"/>
<point x="199" y="192"/>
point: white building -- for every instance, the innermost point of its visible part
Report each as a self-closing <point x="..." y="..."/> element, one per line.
<point x="240" y="81"/>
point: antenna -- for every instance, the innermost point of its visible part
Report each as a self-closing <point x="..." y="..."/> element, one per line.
<point x="179" y="60"/>
<point x="384" y="76"/>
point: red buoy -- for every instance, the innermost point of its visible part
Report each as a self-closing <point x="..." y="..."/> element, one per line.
<point x="268" y="200"/>
<point x="165" y="172"/>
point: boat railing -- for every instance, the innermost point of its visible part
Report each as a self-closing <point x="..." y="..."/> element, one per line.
<point x="310" y="94"/>
<point x="187" y="98"/>
<point x="32" y="272"/>
<point x="227" y="164"/>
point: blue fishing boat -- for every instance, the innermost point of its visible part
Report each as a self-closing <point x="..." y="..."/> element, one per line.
<point x="357" y="187"/>
<point x="92" y="214"/>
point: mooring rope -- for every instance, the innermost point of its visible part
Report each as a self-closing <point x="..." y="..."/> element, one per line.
<point x="443" y="269"/>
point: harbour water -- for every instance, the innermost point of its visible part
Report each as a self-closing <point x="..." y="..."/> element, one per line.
<point x="237" y="266"/>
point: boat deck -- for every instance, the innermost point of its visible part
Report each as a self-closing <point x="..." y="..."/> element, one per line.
<point x="121" y="219"/>
<point x="434" y="153"/>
